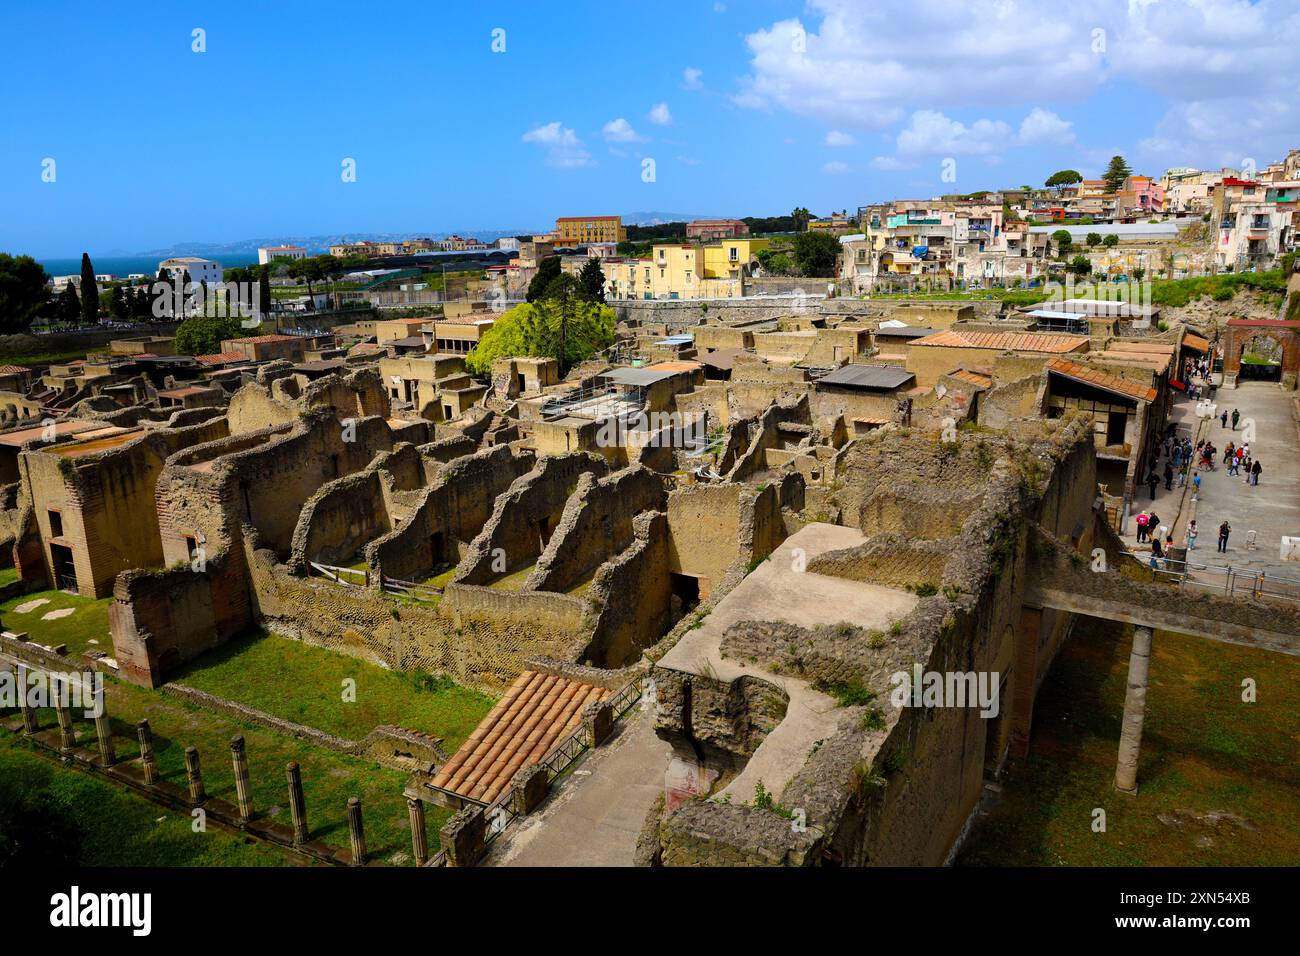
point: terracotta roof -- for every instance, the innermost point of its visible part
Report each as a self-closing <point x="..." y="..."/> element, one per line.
<point x="1103" y="380"/>
<point x="1196" y="342"/>
<point x="1004" y="341"/>
<point x="1155" y="348"/>
<point x="259" y="339"/>
<point x="674" y="366"/>
<point x="1264" y="323"/>
<point x="13" y="369"/>
<point x="978" y="379"/>
<point x="221" y="358"/>
<point x="519" y="731"/>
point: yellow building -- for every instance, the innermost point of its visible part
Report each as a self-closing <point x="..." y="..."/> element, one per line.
<point x="583" y="230"/>
<point x="728" y="258"/>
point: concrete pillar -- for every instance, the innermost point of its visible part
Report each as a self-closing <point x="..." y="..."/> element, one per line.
<point x="103" y="731"/>
<point x="194" y="776"/>
<point x="1135" y="703"/>
<point x="356" y="831"/>
<point x="419" y="838"/>
<point x="28" y="712"/>
<point x="243" y="789"/>
<point x="297" y="806"/>
<point x="67" y="733"/>
<point x="146" y="752"/>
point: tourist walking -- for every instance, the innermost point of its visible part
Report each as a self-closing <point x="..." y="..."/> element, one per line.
<point x="1143" y="525"/>
<point x="1152" y="481"/>
<point x="1236" y="417"/>
<point x="1223" y="419"/>
<point x="1225" y="529"/>
<point x="1191" y="535"/>
<point x="1169" y="477"/>
<point x="1255" y="469"/>
<point x="1182" y="476"/>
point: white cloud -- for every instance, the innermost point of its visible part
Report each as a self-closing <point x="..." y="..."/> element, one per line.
<point x="835" y="168"/>
<point x="930" y="133"/>
<point x="691" y="78"/>
<point x="660" y="114"/>
<point x="837" y="138"/>
<point x="564" y="149"/>
<point x="620" y="131"/>
<point x="1044" y="128"/>
<point x="1227" y="67"/>
<point x="889" y="164"/>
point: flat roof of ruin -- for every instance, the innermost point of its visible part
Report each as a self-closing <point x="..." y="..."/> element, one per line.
<point x="884" y="377"/>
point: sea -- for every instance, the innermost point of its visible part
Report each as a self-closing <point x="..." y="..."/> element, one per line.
<point x="123" y="266"/>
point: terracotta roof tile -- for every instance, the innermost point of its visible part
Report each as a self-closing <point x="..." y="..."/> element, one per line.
<point x="13" y="369"/>
<point x="978" y="379"/>
<point x="1004" y="341"/>
<point x="519" y="731"/>
<point x="1104" y="380"/>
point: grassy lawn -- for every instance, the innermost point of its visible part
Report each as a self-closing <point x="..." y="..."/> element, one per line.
<point x="88" y="621"/>
<point x="8" y="575"/>
<point x="329" y="779"/>
<point x="1217" y="777"/>
<point x="60" y="816"/>
<point x="514" y="580"/>
<point x="305" y="684"/>
<point x="43" y="358"/>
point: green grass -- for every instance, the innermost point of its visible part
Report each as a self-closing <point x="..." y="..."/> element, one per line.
<point x="43" y="358"/>
<point x="304" y="684"/>
<point x="89" y="621"/>
<point x="8" y="575"/>
<point x="1203" y="750"/>
<point x="57" y="816"/>
<point x="329" y="778"/>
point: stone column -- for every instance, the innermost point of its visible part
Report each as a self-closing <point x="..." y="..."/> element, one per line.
<point x="356" y="831"/>
<point x="1135" y="702"/>
<point x="243" y="790"/>
<point x="297" y="806"/>
<point x="146" y="752"/>
<point x="194" y="776"/>
<point x="419" y="838"/>
<point x="67" y="733"/>
<point x="103" y="731"/>
<point x="28" y="712"/>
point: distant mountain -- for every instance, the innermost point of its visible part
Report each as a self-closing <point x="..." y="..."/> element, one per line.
<point x="659" y="218"/>
<point x="313" y="244"/>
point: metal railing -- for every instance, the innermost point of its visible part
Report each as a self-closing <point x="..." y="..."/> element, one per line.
<point x="1225" y="580"/>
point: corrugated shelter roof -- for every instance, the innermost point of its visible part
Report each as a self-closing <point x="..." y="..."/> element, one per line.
<point x="722" y="359"/>
<point x="1196" y="342"/>
<point x="637" y="377"/>
<point x="680" y="365"/>
<point x="883" y="377"/>
<point x="1005" y="341"/>
<point x="910" y="332"/>
<point x="1103" y="380"/>
<point x="1265" y="323"/>
<point x="519" y="731"/>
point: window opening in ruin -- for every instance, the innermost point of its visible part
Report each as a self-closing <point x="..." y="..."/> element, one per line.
<point x="56" y="524"/>
<point x="686" y="588"/>
<point x="1115" y="428"/>
<point x="435" y="548"/>
<point x="191" y="545"/>
<point x="65" y="570"/>
<point x="523" y="383"/>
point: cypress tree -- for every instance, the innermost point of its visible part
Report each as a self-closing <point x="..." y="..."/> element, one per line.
<point x="89" y="292"/>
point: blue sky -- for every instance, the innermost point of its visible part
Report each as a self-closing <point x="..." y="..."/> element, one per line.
<point x="826" y="104"/>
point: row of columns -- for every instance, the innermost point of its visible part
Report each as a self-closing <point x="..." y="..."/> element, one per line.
<point x="194" y="773"/>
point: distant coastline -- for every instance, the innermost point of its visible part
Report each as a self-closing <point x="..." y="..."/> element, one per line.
<point x="123" y="266"/>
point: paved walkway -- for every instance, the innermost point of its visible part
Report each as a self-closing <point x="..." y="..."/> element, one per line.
<point x="1271" y="509"/>
<point x="1167" y="504"/>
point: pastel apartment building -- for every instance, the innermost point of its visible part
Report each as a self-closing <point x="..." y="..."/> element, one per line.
<point x="270" y="253"/>
<point x="583" y="230"/>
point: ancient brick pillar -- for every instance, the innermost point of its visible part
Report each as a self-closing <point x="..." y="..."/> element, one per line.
<point x="297" y="805"/>
<point x="146" y="752"/>
<point x="419" y="838"/>
<point x="356" y="831"/>
<point x="243" y="790"/>
<point x="529" y="788"/>
<point x="194" y="776"/>
<point x="29" y="713"/>
<point x="597" y="722"/>
<point x="103" y="731"/>
<point x="463" y="836"/>
<point x="1135" y="703"/>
